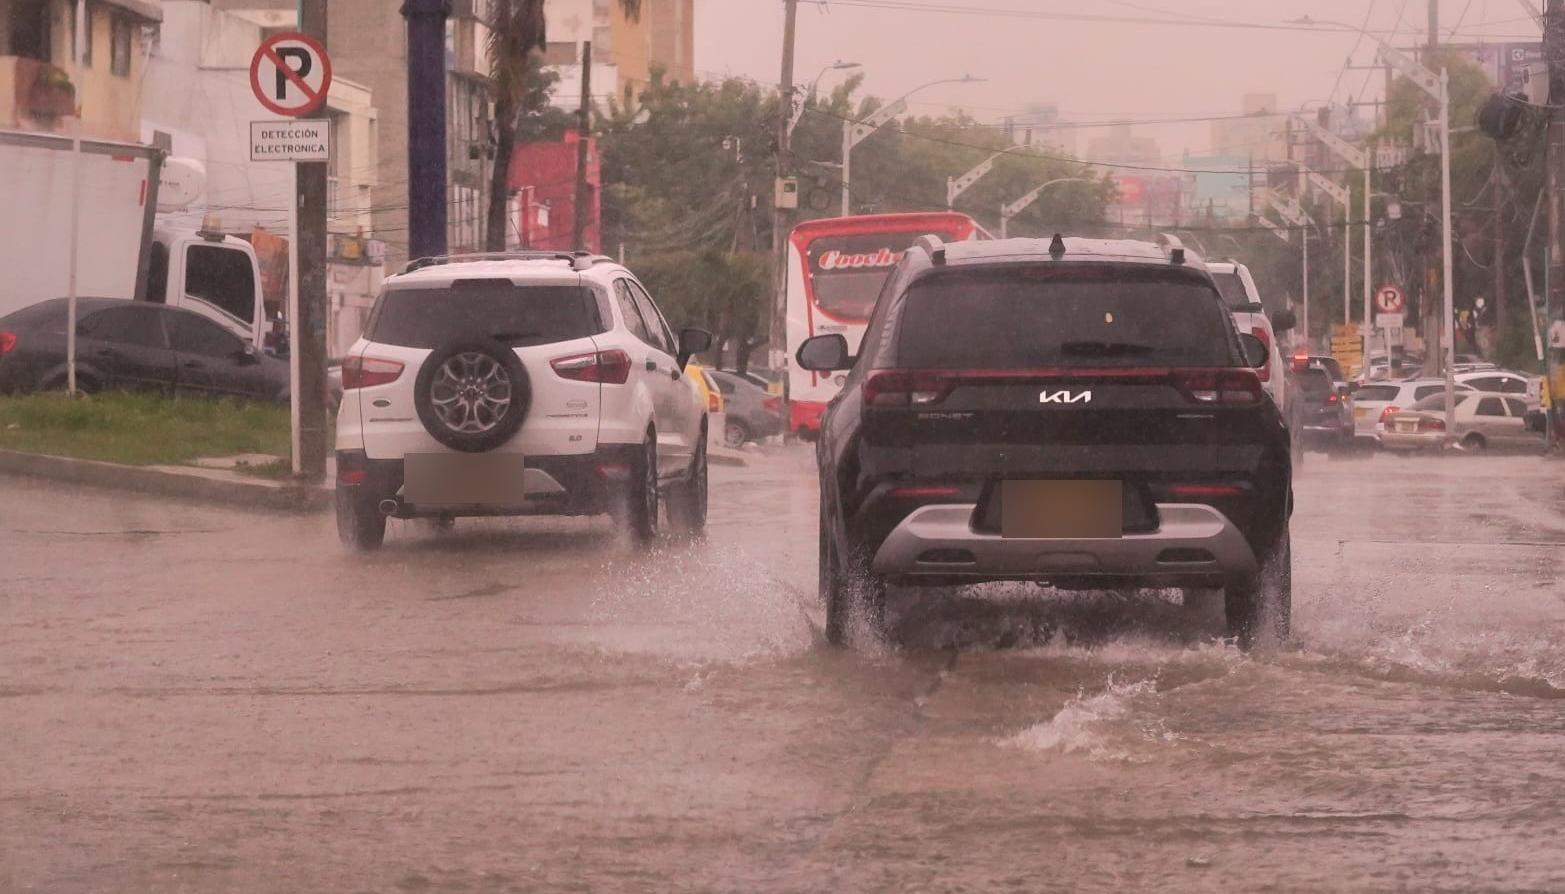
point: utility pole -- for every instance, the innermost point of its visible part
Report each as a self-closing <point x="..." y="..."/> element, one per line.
<point x="1554" y="269"/>
<point x="583" y="134"/>
<point x="1497" y="259"/>
<point x="307" y="337"/>
<point x="1434" y="24"/>
<point x="777" y="333"/>
<point x="426" y="126"/>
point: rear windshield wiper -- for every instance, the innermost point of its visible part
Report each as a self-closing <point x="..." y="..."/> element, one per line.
<point x="1105" y="349"/>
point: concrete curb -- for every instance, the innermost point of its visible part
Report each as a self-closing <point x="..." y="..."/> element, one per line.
<point x="170" y="481"/>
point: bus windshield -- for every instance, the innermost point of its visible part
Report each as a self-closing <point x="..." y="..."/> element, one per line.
<point x="848" y="271"/>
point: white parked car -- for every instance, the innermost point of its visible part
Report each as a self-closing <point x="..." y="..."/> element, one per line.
<point x="1483" y="420"/>
<point x="519" y="383"/>
<point x="1374" y="404"/>
<point x="1503" y="381"/>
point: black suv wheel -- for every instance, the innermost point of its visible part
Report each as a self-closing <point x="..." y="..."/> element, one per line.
<point x="850" y="591"/>
<point x="1259" y="607"/>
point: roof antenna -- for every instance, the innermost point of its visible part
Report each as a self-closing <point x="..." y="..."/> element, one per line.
<point x="1057" y="247"/>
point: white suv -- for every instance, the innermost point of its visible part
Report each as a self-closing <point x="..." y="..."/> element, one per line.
<point x="517" y="384"/>
<point x="1237" y="287"/>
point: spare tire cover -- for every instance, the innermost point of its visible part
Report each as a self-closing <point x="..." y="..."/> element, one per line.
<point x="472" y="394"/>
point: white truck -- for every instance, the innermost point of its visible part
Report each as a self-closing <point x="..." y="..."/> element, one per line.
<point x="121" y="250"/>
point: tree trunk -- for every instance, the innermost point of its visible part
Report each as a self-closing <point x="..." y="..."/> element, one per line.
<point x="500" y="180"/>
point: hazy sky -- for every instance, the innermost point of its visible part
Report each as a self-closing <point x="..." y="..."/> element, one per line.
<point x="1092" y="70"/>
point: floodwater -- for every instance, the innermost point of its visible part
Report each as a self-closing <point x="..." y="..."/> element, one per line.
<point x="195" y="698"/>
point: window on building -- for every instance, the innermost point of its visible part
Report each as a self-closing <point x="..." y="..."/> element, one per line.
<point x="29" y="30"/>
<point x="336" y="125"/>
<point x="120" y="46"/>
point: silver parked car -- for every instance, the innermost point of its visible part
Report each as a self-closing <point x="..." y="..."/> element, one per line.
<point x="753" y="412"/>
<point x="1483" y="420"/>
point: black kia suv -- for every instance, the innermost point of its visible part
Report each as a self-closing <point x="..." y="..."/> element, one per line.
<point x="1077" y="413"/>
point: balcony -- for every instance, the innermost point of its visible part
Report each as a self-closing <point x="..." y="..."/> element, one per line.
<point x="34" y="95"/>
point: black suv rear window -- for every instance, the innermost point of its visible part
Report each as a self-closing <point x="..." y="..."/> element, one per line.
<point x="1064" y="316"/>
<point x="495" y="308"/>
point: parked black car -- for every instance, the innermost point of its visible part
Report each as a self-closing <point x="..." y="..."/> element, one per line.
<point x="134" y="346"/>
<point x="1327" y="412"/>
<point x="1080" y="413"/>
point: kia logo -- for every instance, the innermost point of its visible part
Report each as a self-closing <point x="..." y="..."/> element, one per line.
<point x="1065" y="397"/>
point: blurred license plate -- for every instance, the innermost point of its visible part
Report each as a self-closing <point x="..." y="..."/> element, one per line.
<point x="1407" y="427"/>
<point x="1060" y="509"/>
<point x="464" y="479"/>
<point x="1360" y="412"/>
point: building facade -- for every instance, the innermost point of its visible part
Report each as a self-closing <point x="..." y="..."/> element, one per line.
<point x="39" y="86"/>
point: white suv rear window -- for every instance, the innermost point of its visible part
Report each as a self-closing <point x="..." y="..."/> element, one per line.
<point x="492" y="308"/>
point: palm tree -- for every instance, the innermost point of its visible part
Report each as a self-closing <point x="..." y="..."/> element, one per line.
<point x="516" y="29"/>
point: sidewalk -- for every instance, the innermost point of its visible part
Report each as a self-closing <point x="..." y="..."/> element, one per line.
<point x="214" y="480"/>
<point x="189" y="482"/>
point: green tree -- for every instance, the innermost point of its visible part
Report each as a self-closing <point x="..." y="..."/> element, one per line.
<point x="516" y="29"/>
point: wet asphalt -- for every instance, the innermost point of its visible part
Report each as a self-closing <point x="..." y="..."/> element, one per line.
<point x="200" y="698"/>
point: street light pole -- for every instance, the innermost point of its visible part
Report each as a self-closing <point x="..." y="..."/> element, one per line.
<point x="855" y="132"/>
<point x="1008" y="211"/>
<point x="1449" y="326"/>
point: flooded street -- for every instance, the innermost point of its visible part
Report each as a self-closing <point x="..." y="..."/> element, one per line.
<point x="201" y="699"/>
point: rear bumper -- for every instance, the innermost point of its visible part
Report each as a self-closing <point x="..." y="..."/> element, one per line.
<point x="585" y="484"/>
<point x="805" y="415"/>
<point x="1194" y="545"/>
<point x="1412" y="441"/>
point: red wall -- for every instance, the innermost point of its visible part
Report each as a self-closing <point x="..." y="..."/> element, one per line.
<point x="545" y="173"/>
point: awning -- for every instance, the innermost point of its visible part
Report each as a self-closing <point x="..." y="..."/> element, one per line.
<point x="146" y="9"/>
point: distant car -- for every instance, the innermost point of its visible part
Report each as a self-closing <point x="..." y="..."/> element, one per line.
<point x="125" y="345"/>
<point x="1327" y="414"/>
<point x="1483" y="420"/>
<point x="754" y="378"/>
<point x="752" y="412"/>
<point x="1376" y="402"/>
<point x="1325" y="362"/>
<point x="1503" y="381"/>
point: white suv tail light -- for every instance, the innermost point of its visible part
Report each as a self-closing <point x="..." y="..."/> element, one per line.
<point x="366" y="372"/>
<point x="610" y="367"/>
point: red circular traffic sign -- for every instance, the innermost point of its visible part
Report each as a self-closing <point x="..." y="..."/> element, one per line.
<point x="1389" y="299"/>
<point x="291" y="74"/>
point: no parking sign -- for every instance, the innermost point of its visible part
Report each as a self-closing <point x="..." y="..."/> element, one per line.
<point x="291" y="74"/>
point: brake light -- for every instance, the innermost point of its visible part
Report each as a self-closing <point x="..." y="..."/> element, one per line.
<point x="366" y="372"/>
<point x="1388" y="412"/>
<point x="1265" y="371"/>
<point x="1431" y="425"/>
<point x="7" y="342"/>
<point x="1333" y="397"/>
<point x="713" y="404"/>
<point x="897" y="388"/>
<point x="1220" y="386"/>
<point x="605" y="367"/>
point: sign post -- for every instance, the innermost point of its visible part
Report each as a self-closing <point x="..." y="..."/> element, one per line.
<point x="290" y="75"/>
<point x="1390" y="316"/>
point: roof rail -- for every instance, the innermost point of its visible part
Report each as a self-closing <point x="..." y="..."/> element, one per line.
<point x="1174" y="247"/>
<point x="936" y="248"/>
<point x="579" y="260"/>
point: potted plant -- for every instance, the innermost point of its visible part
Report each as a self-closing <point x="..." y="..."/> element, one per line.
<point x="53" y="95"/>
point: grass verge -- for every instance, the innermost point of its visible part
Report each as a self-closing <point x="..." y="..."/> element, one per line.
<point x="140" y="429"/>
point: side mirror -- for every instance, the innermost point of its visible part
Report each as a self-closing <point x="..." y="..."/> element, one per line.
<point x="247" y="355"/>
<point x="692" y="342"/>
<point x="1255" y="351"/>
<point x="825" y="353"/>
<point x="1284" y="321"/>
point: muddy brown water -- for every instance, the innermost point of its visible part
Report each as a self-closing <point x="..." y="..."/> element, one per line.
<point x="196" y="699"/>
